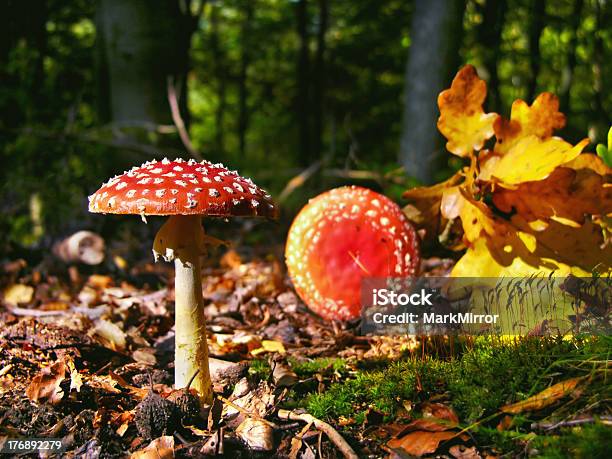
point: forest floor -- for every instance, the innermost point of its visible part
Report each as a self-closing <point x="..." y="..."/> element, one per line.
<point x="80" y="354"/>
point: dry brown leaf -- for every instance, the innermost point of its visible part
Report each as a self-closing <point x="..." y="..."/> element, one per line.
<point x="17" y="294"/>
<point x="462" y="120"/>
<point x="424" y="205"/>
<point x="100" y="281"/>
<point x="463" y="452"/>
<point x="257" y="434"/>
<point x="160" y="448"/>
<point x="545" y="398"/>
<point x="45" y="386"/>
<point x="420" y="443"/>
<point x="439" y="411"/>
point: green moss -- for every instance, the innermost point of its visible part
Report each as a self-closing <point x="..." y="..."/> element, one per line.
<point x="260" y="368"/>
<point x="589" y="441"/>
<point x="307" y="368"/>
<point x="477" y="383"/>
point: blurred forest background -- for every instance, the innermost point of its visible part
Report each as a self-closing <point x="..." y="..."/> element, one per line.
<point x="340" y="91"/>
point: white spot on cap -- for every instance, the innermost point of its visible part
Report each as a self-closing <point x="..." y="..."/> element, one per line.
<point x="157" y="170"/>
<point x="181" y="183"/>
<point x="121" y="186"/>
<point x="213" y="193"/>
<point x="144" y="181"/>
<point x="216" y="178"/>
<point x="228" y="189"/>
<point x="172" y="200"/>
<point x="384" y="221"/>
<point x="158" y="180"/>
<point x="170" y="174"/>
<point x="174" y="191"/>
<point x="130" y="193"/>
<point x="160" y="193"/>
<point x="238" y="187"/>
<point x="177" y="168"/>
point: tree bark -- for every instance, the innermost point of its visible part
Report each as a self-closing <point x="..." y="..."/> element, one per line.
<point x="536" y="25"/>
<point x="489" y="36"/>
<point x="303" y="78"/>
<point x="320" y="80"/>
<point x="220" y="76"/>
<point x="143" y="43"/>
<point x="433" y="59"/>
<point x="245" y="58"/>
<point x="568" y="74"/>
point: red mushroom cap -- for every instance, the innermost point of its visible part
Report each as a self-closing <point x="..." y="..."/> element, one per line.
<point x="182" y="188"/>
<point x="341" y="237"/>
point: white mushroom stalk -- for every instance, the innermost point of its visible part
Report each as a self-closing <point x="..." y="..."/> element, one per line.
<point x="182" y="240"/>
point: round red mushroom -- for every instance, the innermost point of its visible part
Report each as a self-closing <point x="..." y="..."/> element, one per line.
<point x="185" y="191"/>
<point x="341" y="237"/>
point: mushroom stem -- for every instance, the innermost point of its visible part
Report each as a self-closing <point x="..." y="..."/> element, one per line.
<point x="182" y="239"/>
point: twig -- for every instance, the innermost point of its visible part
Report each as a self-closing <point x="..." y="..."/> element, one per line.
<point x="299" y="180"/>
<point x="178" y="121"/>
<point x="607" y="420"/>
<point x="332" y="433"/>
<point x="246" y="412"/>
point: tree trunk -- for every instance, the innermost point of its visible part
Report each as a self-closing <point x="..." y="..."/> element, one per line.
<point x="433" y="59"/>
<point x="245" y="57"/>
<point x="143" y="43"/>
<point x="489" y="36"/>
<point x="568" y="73"/>
<point x="303" y="78"/>
<point x="536" y="25"/>
<point x="320" y="80"/>
<point x="220" y="76"/>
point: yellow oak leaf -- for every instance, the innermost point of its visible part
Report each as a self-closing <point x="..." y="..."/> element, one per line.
<point x="589" y="161"/>
<point x="462" y="119"/>
<point x="566" y="194"/>
<point x="539" y="119"/>
<point x="529" y="159"/>
<point x="543" y="399"/>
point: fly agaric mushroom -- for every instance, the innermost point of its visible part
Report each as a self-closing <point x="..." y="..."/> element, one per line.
<point x="185" y="191"/>
<point x="342" y="236"/>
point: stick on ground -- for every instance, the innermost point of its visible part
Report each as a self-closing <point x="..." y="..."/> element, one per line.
<point x="332" y="433"/>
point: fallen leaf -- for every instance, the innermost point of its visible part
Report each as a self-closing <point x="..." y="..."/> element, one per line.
<point x="17" y="294"/>
<point x="257" y="434"/>
<point x="112" y="336"/>
<point x="462" y="120"/>
<point x="420" y="443"/>
<point x="269" y="346"/>
<point x="99" y="281"/>
<point x="463" y="452"/>
<point x="76" y="380"/>
<point x="439" y="411"/>
<point x="45" y="386"/>
<point x="160" y="448"/>
<point x="543" y="399"/>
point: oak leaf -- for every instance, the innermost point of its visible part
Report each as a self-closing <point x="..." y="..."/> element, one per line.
<point x="539" y="119"/>
<point x="529" y="159"/>
<point x="462" y="119"/>
<point x="543" y="399"/>
<point x="45" y="386"/>
<point x="420" y="443"/>
<point x="565" y="195"/>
